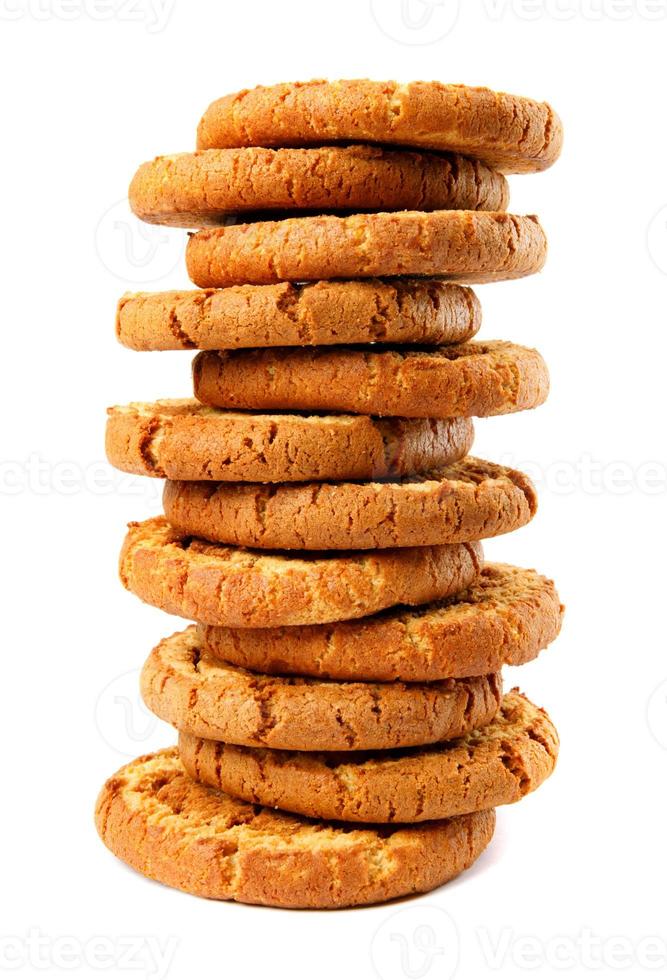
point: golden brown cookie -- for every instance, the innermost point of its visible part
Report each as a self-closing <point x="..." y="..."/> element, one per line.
<point x="465" y="501"/>
<point x="496" y="764"/>
<point x="468" y="246"/>
<point x="203" y="696"/>
<point x="183" y="440"/>
<point x="356" y="311"/>
<point x="192" y="190"/>
<point x="233" y="587"/>
<point x="506" y="617"/>
<point x="511" y="133"/>
<point x="478" y="379"/>
<point x="151" y="815"/>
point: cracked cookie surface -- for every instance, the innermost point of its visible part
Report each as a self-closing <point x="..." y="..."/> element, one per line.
<point x="509" y="132"/>
<point x="466" y="501"/>
<point x="494" y="765"/>
<point x="186" y="686"/>
<point x="506" y="617"/>
<point x="192" y="190"/>
<point x="236" y="587"/>
<point x="184" y="440"/>
<point x="152" y="816"/>
<point x="468" y="246"/>
<point x="476" y="379"/>
<point x="356" y="311"/>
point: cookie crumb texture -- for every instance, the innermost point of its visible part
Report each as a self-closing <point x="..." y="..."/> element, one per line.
<point x="466" y="501"/>
<point x="478" y="379"/>
<point x="511" y="133"/>
<point x="469" y="246"/>
<point x="184" y="440"/>
<point x="506" y="617"/>
<point x="357" y="311"/>
<point x="492" y="766"/>
<point x="234" y="587"/>
<point x="193" y="190"/>
<point x="151" y="815"/>
<point x="198" y="694"/>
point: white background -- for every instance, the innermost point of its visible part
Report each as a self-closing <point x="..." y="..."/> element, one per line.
<point x="573" y="883"/>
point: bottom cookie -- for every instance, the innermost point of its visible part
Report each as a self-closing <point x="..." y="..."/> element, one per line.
<point x="176" y="831"/>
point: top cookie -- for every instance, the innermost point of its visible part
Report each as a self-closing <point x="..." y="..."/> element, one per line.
<point x="192" y="190"/>
<point x="508" y="132"/>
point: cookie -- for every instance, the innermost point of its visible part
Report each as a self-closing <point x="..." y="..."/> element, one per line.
<point x="358" y="311"/>
<point x="224" y="586"/>
<point x="152" y="816"/>
<point x="468" y="246"/>
<point x="506" y="617"/>
<point x="491" y="766"/>
<point x="511" y="133"/>
<point x="465" y="501"/>
<point x="183" y="440"/>
<point x="192" y="190"/>
<point x="478" y="379"/>
<point x="198" y="694"/>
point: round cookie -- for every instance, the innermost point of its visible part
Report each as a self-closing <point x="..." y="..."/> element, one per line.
<point x="224" y="586"/>
<point x="192" y="190"/>
<point x="205" y="697"/>
<point x="151" y="815"/>
<point x="356" y="311"/>
<point x="506" y="617"/>
<point x="468" y="246"/>
<point x="478" y="379"/>
<point x="184" y="440"/>
<point x="466" y="501"/>
<point x="511" y="133"/>
<point x="494" y="765"/>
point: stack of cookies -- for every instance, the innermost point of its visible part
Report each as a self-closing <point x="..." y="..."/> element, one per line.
<point x="343" y="732"/>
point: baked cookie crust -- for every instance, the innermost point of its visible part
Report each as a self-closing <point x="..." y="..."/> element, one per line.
<point x="152" y="816"/>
